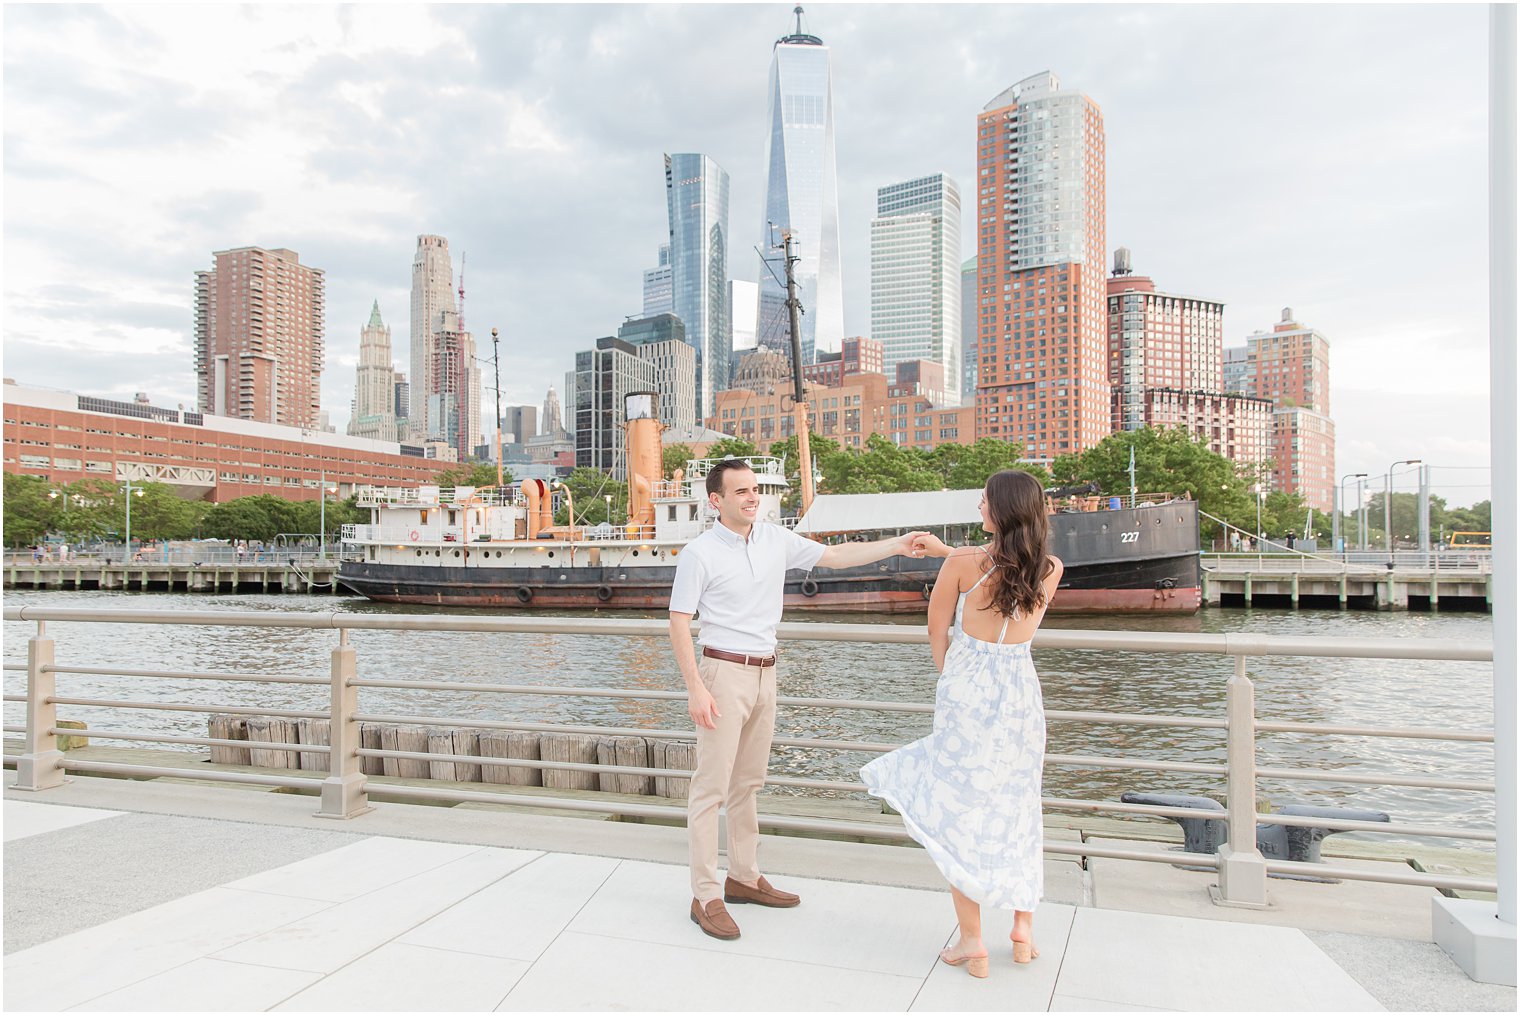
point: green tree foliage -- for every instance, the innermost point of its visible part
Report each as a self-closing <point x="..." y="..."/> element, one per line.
<point x="735" y="446"/>
<point x="819" y="446"/>
<point x="476" y="474"/>
<point x="1406" y="519"/>
<point x="675" y="457"/>
<point x="969" y="466"/>
<point x="161" y="513"/>
<point x="260" y="518"/>
<point x="589" y="489"/>
<point x="28" y="512"/>
<point x="881" y="467"/>
<point x="1168" y="461"/>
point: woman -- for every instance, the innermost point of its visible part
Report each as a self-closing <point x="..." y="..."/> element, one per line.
<point x="970" y="791"/>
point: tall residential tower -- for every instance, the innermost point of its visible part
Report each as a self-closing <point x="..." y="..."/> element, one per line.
<point x="258" y="337"/>
<point x="1041" y="288"/>
<point x="801" y="195"/>
<point x="696" y="196"/>
<point x="432" y="297"/>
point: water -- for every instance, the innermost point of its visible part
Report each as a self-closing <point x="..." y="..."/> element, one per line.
<point x="1330" y="691"/>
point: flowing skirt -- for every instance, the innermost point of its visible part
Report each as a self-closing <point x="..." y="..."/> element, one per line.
<point x="969" y="793"/>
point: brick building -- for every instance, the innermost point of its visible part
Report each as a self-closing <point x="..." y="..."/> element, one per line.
<point x="65" y="437"/>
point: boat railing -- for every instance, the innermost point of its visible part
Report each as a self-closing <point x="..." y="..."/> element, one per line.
<point x="40" y="685"/>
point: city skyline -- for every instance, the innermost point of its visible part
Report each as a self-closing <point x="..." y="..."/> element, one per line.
<point x="1275" y="199"/>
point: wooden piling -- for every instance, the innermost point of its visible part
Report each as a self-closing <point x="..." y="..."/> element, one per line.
<point x="405" y="738"/>
<point x="629" y="752"/>
<point x="370" y="740"/>
<point x="271" y="730"/>
<point x="579" y="748"/>
<point x="317" y="732"/>
<point x="510" y="744"/>
<point x="441" y="741"/>
<point x="467" y="742"/>
<point x="229" y="727"/>
<point x="677" y="754"/>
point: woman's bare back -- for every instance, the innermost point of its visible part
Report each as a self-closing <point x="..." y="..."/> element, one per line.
<point x="980" y="620"/>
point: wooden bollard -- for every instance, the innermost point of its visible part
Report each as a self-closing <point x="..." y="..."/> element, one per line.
<point x="510" y="744"/>
<point x="229" y="727"/>
<point x="467" y="742"/>
<point x="317" y="732"/>
<point x="678" y="754"/>
<point x="441" y="741"/>
<point x="404" y="738"/>
<point x="628" y="752"/>
<point x="573" y="747"/>
<point x="369" y="739"/>
<point x="271" y="730"/>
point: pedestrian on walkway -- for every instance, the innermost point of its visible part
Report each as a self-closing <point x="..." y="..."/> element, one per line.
<point x="733" y="575"/>
<point x="969" y="793"/>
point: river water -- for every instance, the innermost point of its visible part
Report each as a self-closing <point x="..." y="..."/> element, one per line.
<point x="1330" y="691"/>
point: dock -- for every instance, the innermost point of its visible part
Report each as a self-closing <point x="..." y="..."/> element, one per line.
<point x="1362" y="582"/>
<point x="87" y="573"/>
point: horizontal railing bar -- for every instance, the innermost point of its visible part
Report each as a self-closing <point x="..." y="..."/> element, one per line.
<point x="95" y="733"/>
<point x="1387" y="828"/>
<point x="1133" y="641"/>
<point x="110" y="671"/>
<point x="1372" y="779"/>
<point x="15" y="697"/>
<point x="1142" y="810"/>
<point x="1067" y="847"/>
<point x="15" y="666"/>
<point x="15" y="729"/>
<point x="156" y="706"/>
<point x="1089" y="761"/>
<point x="115" y="768"/>
<point x="1464" y="736"/>
<point x="1132" y="719"/>
<point x="1396" y="876"/>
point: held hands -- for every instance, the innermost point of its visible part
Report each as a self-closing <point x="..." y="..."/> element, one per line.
<point x="702" y="708"/>
<point x="926" y="544"/>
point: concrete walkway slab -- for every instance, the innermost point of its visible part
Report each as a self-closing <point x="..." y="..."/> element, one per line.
<point x="23" y="819"/>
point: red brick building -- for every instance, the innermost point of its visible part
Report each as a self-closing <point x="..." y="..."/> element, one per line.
<point x="65" y="437"/>
<point x="856" y="356"/>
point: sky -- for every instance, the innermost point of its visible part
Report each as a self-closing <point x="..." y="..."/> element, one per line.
<point x="1331" y="159"/>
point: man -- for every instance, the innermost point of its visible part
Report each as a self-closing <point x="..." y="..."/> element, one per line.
<point x="733" y="574"/>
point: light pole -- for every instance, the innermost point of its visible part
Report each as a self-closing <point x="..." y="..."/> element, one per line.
<point x="127" y="556"/>
<point x="1261" y="498"/>
<point x="608" y="498"/>
<point x="1388" y="503"/>
<point x="1340" y="491"/>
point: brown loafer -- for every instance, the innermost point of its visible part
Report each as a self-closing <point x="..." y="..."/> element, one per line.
<point x="714" y="920"/>
<point x="761" y="895"/>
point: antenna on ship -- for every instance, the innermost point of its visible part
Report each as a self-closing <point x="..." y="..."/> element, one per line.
<point x="799" y="396"/>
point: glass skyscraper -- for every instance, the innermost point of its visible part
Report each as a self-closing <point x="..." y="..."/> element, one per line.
<point x="696" y="195"/>
<point x="916" y="276"/>
<point x="801" y="194"/>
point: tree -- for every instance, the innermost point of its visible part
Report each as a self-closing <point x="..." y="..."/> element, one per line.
<point x="820" y="447"/>
<point x="881" y="467"/>
<point x="736" y="447"/>
<point x="675" y="457"/>
<point x="1172" y="461"/>
<point x="260" y="517"/>
<point x="969" y="466"/>
<point x="589" y="489"/>
<point x="28" y="512"/>
<point x="476" y="474"/>
<point x="161" y="513"/>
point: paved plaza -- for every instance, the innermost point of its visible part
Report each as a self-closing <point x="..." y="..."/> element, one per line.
<point x="164" y="902"/>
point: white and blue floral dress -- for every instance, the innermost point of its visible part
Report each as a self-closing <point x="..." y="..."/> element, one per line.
<point x="969" y="792"/>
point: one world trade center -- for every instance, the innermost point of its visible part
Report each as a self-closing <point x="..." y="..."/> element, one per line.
<point x="802" y="195"/>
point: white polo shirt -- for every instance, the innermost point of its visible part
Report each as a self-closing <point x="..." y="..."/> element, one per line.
<point x="736" y="584"/>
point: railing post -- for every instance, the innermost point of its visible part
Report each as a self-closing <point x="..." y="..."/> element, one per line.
<point x="1242" y="870"/>
<point x="344" y="793"/>
<point x="41" y="767"/>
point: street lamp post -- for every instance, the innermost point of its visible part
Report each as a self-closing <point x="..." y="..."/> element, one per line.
<point x="608" y="498"/>
<point x="1340" y="492"/>
<point x="1261" y="497"/>
<point x="1388" y="503"/>
<point x="138" y="491"/>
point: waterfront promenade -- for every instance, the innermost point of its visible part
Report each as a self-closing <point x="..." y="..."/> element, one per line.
<point x="167" y="895"/>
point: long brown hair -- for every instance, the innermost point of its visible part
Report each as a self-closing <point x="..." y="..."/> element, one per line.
<point x="1016" y="502"/>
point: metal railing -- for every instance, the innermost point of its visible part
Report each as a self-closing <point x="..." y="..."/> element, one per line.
<point x="344" y="791"/>
<point x="1369" y="563"/>
<point x="218" y="556"/>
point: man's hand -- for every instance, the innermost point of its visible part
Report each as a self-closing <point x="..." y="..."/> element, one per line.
<point x="702" y="708"/>
<point x="910" y="544"/>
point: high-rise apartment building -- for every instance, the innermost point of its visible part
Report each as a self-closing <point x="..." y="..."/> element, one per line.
<point x="1238" y="427"/>
<point x="403" y="405"/>
<point x="661" y="340"/>
<point x="552" y="418"/>
<point x="657" y="291"/>
<point x="453" y="407"/>
<point x="801" y="195"/>
<point x="570" y="402"/>
<point x="1290" y="366"/>
<point x="1041" y="291"/>
<point x="432" y="297"/>
<point x="969" y="324"/>
<point x="374" y="412"/>
<point x="856" y="355"/>
<point x="519" y="422"/>
<point x="604" y="376"/>
<point x="1158" y="340"/>
<point x="1237" y="370"/>
<point x="916" y="275"/>
<point x="258" y="336"/>
<point x="696" y="197"/>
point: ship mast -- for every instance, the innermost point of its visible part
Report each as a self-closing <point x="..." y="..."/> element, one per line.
<point x="799" y="396"/>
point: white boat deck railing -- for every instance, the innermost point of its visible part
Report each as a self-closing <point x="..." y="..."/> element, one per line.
<point x="1242" y="872"/>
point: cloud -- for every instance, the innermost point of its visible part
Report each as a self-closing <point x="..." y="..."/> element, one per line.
<point x="1331" y="159"/>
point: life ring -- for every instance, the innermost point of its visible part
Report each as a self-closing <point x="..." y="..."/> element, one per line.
<point x="524" y="594"/>
<point x="809" y="587"/>
<point x="416" y="535"/>
<point x="604" y="592"/>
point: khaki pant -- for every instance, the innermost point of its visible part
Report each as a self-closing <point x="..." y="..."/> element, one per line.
<point x="731" y="764"/>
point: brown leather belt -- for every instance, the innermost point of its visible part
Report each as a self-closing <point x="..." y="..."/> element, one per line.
<point x="736" y="657"/>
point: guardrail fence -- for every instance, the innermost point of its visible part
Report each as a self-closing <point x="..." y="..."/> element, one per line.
<point x="344" y="791"/>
